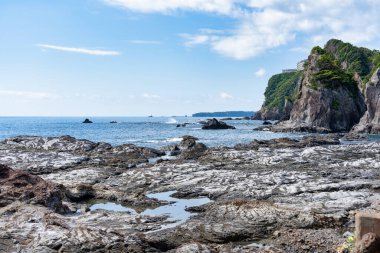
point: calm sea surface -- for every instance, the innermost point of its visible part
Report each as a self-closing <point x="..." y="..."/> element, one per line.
<point x="143" y="131"/>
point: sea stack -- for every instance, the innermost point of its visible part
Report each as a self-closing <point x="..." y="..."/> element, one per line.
<point x="87" y="121"/>
<point x="214" y="124"/>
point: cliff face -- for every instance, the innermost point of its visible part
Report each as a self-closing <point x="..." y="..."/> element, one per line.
<point x="370" y="122"/>
<point x="328" y="97"/>
<point x="279" y="95"/>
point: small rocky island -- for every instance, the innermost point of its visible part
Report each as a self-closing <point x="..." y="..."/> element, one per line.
<point x="87" y="121"/>
<point x="272" y="196"/>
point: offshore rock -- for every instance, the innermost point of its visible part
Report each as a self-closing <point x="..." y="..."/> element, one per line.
<point x="370" y="122"/>
<point x="87" y="121"/>
<point x="214" y="124"/>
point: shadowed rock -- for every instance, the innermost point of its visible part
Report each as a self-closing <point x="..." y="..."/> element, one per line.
<point x="214" y="124"/>
<point x="370" y="122"/>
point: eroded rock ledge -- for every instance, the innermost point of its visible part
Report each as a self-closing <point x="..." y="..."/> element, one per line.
<point x="271" y="196"/>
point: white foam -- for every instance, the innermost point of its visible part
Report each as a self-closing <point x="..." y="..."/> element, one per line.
<point x="171" y="121"/>
<point x="175" y="139"/>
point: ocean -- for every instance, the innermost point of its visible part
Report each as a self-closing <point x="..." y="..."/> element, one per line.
<point x="143" y="131"/>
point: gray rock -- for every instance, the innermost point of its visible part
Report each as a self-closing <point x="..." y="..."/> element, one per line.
<point x="370" y="122"/>
<point x="321" y="108"/>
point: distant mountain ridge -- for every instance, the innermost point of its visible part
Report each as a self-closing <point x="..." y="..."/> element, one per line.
<point x="225" y="114"/>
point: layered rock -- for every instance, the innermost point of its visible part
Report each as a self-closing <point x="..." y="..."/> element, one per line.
<point x="21" y="186"/>
<point x="292" y="196"/>
<point x="370" y="122"/>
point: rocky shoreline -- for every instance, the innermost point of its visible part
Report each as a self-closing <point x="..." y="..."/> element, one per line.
<point x="267" y="196"/>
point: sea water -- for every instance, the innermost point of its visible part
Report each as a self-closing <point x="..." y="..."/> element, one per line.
<point x="143" y="131"/>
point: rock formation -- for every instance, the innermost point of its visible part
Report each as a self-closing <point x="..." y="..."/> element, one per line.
<point x="292" y="196"/>
<point x="370" y="122"/>
<point x="87" y="121"/>
<point x="17" y="185"/>
<point x="328" y="99"/>
<point x="214" y="124"/>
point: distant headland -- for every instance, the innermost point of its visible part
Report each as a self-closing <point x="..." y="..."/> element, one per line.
<point x="225" y="114"/>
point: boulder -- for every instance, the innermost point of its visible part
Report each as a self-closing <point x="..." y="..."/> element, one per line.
<point x="266" y="123"/>
<point x="214" y="124"/>
<point x="17" y="185"/>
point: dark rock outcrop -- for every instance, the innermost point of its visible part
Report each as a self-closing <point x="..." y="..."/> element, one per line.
<point x="17" y="185"/>
<point x="267" y="123"/>
<point x="214" y="124"/>
<point x="87" y="121"/>
<point x="190" y="148"/>
<point x="370" y="122"/>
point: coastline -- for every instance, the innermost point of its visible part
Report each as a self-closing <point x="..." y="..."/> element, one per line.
<point x="279" y="195"/>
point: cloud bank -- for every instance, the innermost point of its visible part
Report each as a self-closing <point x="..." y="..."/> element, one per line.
<point x="261" y="25"/>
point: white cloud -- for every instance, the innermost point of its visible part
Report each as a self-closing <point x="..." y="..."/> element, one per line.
<point x="260" y="73"/>
<point x="261" y="25"/>
<point x="28" y="94"/>
<point x="80" y="50"/>
<point x="218" y="6"/>
<point x="150" y="96"/>
<point x="146" y="42"/>
<point x="225" y="96"/>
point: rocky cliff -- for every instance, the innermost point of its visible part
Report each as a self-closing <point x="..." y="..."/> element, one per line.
<point x="329" y="97"/>
<point x="279" y="94"/>
<point x="339" y="82"/>
<point x="370" y="122"/>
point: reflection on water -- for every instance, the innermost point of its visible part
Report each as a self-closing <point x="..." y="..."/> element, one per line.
<point x="176" y="211"/>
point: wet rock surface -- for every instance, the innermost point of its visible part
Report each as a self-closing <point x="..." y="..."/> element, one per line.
<point x="268" y="196"/>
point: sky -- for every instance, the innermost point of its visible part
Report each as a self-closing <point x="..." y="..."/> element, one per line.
<point x="162" y="57"/>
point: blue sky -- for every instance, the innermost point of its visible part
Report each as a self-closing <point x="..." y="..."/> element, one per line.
<point x="161" y="57"/>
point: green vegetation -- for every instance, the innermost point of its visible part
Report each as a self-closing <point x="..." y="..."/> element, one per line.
<point x="331" y="75"/>
<point x="337" y="63"/>
<point x="348" y="246"/>
<point x="357" y="59"/>
<point x="317" y="50"/>
<point x="280" y="87"/>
